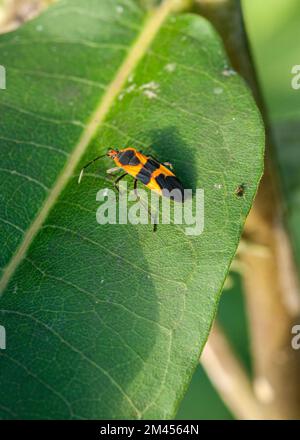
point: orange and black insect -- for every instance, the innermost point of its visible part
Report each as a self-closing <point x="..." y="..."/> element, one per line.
<point x="153" y="174"/>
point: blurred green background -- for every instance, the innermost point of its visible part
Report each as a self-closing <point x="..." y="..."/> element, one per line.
<point x="274" y="31"/>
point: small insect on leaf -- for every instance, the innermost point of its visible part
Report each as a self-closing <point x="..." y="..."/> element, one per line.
<point x="240" y="190"/>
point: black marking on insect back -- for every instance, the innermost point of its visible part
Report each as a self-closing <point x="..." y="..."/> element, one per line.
<point x="134" y="161"/>
<point x="144" y="176"/>
<point x="151" y="165"/>
<point x="168" y="184"/>
<point x="128" y="157"/>
<point x="160" y="179"/>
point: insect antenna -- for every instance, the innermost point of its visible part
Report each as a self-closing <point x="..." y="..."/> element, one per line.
<point x="88" y="164"/>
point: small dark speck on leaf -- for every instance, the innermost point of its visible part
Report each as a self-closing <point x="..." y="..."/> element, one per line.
<point x="240" y="190"/>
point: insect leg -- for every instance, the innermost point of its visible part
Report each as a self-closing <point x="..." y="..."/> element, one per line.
<point x="87" y="165"/>
<point x="149" y="209"/>
<point x="168" y="164"/>
<point x="118" y="180"/>
<point x="135" y="183"/>
<point x="112" y="170"/>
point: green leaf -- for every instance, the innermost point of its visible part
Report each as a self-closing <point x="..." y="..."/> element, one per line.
<point x="109" y="321"/>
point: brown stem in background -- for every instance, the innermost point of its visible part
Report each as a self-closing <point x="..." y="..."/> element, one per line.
<point x="15" y="12"/>
<point x="270" y="279"/>
<point x="229" y="377"/>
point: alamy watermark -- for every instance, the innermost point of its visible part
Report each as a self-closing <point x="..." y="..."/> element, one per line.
<point x="134" y="207"/>
<point x="296" y="339"/>
<point x="2" y="338"/>
<point x="2" y="78"/>
<point x="296" y="78"/>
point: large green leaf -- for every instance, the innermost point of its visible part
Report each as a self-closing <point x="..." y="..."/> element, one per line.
<point x="109" y="321"/>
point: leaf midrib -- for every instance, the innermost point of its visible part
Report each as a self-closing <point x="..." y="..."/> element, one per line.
<point x="135" y="54"/>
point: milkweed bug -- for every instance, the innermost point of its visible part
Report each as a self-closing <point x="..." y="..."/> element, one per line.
<point x="152" y="173"/>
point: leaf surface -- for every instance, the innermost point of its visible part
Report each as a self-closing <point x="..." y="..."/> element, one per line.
<point x="108" y="321"/>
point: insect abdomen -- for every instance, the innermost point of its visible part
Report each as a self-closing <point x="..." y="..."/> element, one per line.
<point x="170" y="184"/>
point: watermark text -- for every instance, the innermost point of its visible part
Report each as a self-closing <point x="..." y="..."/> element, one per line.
<point x="296" y="78"/>
<point x="134" y="207"/>
<point x="2" y="338"/>
<point x="2" y="78"/>
<point x="296" y="339"/>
